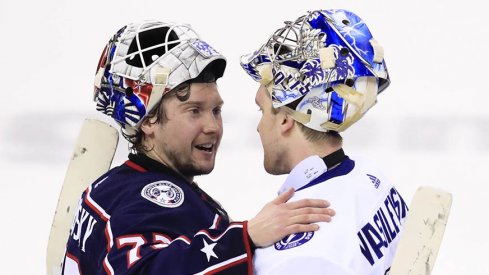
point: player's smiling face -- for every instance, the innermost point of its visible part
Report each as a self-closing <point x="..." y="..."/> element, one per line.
<point x="188" y="139"/>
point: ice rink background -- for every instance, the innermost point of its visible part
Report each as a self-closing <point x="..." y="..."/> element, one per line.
<point x="431" y="127"/>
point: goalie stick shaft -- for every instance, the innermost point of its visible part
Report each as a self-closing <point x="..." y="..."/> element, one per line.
<point x="423" y="232"/>
<point x="93" y="154"/>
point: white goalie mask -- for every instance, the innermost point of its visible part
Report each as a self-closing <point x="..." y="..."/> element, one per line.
<point x="325" y="69"/>
<point x="144" y="61"/>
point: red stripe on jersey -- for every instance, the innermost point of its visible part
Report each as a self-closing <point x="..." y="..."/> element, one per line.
<point x="216" y="238"/>
<point x="161" y="240"/>
<point x="183" y="238"/>
<point x="135" y="166"/>
<point x="93" y="207"/>
<point x="218" y="221"/>
<point x="75" y="259"/>
<point x="106" y="268"/>
<point x="248" y="247"/>
<point x="228" y="266"/>
<point x="108" y="237"/>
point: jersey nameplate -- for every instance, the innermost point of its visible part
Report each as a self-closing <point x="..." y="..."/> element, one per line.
<point x="383" y="228"/>
<point x="163" y="193"/>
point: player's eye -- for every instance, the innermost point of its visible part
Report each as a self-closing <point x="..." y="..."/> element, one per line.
<point x="217" y="111"/>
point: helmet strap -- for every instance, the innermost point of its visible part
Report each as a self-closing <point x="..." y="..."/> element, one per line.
<point x="159" y="85"/>
<point x="362" y="101"/>
<point x="297" y="116"/>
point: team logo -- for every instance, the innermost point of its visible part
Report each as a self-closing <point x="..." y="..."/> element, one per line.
<point x="203" y="48"/>
<point x="294" y="240"/>
<point x="374" y="180"/>
<point x="163" y="193"/>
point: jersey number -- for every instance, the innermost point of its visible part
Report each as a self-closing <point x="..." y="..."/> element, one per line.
<point x="136" y="241"/>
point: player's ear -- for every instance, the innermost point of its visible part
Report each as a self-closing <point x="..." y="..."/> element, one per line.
<point x="148" y="125"/>
<point x="286" y="123"/>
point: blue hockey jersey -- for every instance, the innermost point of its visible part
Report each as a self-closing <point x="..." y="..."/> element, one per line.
<point x="143" y="218"/>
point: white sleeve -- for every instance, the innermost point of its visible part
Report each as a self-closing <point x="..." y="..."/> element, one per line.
<point x="310" y="266"/>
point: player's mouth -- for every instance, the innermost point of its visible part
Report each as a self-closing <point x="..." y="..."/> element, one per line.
<point x="206" y="147"/>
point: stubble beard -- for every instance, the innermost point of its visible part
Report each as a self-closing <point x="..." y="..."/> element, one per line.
<point x="273" y="163"/>
<point x="185" y="165"/>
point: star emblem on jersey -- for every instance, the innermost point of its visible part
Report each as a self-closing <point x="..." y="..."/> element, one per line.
<point x="208" y="249"/>
<point x="163" y="193"/>
<point x="294" y="240"/>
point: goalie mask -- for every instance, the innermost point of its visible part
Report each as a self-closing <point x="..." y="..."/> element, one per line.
<point x="326" y="65"/>
<point x="142" y="62"/>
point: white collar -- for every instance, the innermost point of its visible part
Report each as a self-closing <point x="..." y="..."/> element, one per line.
<point x="303" y="173"/>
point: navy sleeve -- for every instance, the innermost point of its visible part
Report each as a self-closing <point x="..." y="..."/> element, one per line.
<point x="139" y="249"/>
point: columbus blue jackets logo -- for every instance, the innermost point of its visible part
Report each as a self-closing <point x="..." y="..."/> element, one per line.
<point x="163" y="193"/>
<point x="294" y="240"/>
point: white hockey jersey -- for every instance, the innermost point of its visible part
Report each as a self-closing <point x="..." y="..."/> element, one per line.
<point x="362" y="237"/>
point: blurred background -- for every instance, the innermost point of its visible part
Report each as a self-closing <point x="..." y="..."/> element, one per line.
<point x="430" y="127"/>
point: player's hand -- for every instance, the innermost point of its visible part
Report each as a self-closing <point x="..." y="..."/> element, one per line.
<point x="278" y="218"/>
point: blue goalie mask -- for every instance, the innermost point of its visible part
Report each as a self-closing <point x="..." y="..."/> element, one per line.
<point x="326" y="65"/>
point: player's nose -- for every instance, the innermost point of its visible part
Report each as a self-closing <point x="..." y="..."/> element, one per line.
<point x="212" y="124"/>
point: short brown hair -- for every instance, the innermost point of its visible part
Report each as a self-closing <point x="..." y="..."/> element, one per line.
<point x="331" y="137"/>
